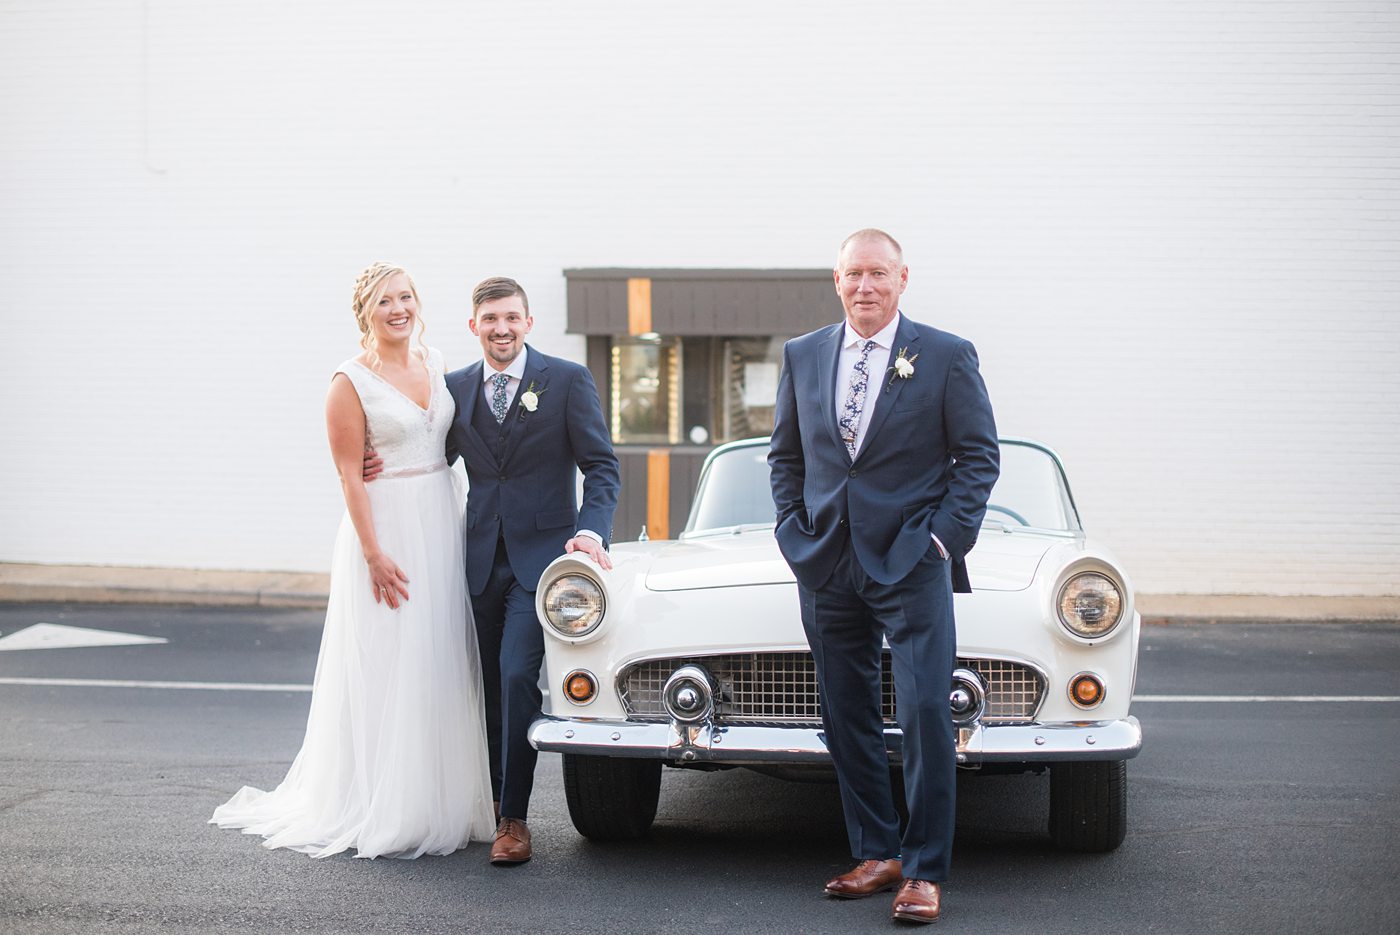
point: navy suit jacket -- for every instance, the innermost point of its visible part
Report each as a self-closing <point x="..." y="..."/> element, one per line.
<point x="528" y="495"/>
<point x="927" y="463"/>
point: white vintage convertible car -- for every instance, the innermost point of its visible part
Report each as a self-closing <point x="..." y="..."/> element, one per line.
<point x="690" y="653"/>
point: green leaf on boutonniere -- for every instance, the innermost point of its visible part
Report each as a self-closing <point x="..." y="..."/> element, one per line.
<point x="530" y="399"/>
<point x="903" y="367"/>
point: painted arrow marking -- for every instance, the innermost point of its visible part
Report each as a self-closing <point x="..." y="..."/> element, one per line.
<point x="56" y="636"/>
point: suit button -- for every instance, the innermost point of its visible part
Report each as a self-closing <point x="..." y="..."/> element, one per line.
<point x="853" y="472"/>
<point x="501" y="478"/>
<point x="842" y="524"/>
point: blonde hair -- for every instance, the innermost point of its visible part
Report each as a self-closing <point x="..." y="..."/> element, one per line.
<point x="369" y="289"/>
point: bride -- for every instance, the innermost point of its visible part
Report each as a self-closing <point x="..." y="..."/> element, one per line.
<point x="394" y="762"/>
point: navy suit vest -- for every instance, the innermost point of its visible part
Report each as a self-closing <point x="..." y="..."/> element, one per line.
<point x="485" y="424"/>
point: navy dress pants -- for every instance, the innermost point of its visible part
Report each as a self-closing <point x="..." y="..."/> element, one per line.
<point x="512" y="651"/>
<point x="845" y="620"/>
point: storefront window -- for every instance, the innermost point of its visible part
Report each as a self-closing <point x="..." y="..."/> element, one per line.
<point x="646" y="390"/>
<point x="700" y="391"/>
<point x="748" y="384"/>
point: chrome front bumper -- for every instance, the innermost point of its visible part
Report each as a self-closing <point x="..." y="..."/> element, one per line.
<point x="705" y="743"/>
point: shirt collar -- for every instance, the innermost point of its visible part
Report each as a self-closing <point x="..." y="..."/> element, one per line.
<point x="882" y="338"/>
<point x="516" y="368"/>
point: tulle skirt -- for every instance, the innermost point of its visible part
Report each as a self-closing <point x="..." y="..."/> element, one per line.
<point x="394" y="762"/>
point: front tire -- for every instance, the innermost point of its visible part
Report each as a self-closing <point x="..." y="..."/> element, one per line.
<point x="1089" y="805"/>
<point x="611" y="798"/>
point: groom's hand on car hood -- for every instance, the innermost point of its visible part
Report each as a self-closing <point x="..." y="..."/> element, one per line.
<point x="592" y="548"/>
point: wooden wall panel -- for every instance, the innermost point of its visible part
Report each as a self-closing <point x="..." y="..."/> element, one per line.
<point x="700" y="302"/>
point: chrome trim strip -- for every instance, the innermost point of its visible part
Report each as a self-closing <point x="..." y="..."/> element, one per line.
<point x="1007" y="743"/>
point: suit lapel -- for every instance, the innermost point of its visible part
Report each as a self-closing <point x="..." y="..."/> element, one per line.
<point x="518" y="418"/>
<point x="472" y="389"/>
<point x="828" y="359"/>
<point x="886" y="391"/>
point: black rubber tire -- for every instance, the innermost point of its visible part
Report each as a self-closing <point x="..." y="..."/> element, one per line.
<point x="1089" y="805"/>
<point x="611" y="798"/>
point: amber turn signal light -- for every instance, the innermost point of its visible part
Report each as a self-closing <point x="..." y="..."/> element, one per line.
<point x="580" y="687"/>
<point x="1086" y="690"/>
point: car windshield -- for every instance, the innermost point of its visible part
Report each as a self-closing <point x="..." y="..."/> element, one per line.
<point x="1031" y="491"/>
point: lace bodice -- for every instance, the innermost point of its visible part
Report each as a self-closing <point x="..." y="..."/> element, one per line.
<point x="406" y="436"/>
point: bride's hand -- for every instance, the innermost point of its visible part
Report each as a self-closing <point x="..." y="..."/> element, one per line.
<point x="388" y="580"/>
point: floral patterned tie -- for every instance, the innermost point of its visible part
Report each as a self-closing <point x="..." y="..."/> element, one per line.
<point x="855" y="399"/>
<point x="498" y="396"/>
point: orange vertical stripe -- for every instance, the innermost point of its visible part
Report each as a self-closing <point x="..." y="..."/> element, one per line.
<point x="659" y="493"/>
<point x="638" y="306"/>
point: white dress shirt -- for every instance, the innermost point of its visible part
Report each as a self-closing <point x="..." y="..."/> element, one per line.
<point x="516" y="372"/>
<point x="878" y="363"/>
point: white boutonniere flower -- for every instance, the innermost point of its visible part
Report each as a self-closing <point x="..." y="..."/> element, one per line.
<point x="903" y="366"/>
<point x="530" y="400"/>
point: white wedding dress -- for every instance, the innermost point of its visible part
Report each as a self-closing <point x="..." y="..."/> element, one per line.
<point x="394" y="762"/>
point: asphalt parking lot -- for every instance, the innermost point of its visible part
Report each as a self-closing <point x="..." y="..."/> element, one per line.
<point x="1255" y="806"/>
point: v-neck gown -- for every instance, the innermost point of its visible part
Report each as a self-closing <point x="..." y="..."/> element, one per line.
<point x="394" y="761"/>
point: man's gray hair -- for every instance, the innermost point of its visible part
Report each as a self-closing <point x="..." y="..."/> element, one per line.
<point x="870" y="233"/>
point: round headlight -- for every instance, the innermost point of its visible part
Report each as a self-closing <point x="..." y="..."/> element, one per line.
<point x="574" y="605"/>
<point x="1090" y="604"/>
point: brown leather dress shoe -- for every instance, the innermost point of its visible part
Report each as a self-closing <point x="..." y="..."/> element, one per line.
<point x="867" y="877"/>
<point x="917" y="901"/>
<point x="512" y="844"/>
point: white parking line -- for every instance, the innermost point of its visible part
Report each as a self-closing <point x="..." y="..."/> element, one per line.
<point x="192" y="686"/>
<point x="291" y="687"/>
<point x="59" y="636"/>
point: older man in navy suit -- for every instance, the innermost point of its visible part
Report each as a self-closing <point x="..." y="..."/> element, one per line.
<point x="524" y="422"/>
<point x="884" y="453"/>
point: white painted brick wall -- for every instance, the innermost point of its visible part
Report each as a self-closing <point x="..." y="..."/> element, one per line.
<point x="1170" y="227"/>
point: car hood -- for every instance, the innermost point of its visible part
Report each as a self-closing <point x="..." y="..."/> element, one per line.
<point x="1000" y="562"/>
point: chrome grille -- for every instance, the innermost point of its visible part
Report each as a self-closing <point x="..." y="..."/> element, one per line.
<point x="781" y="688"/>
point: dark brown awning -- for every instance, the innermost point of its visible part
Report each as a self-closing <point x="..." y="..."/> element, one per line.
<point x="737" y="302"/>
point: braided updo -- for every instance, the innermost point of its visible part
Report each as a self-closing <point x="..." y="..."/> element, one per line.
<point x="369" y="289"/>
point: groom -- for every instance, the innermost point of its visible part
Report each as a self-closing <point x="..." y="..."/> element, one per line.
<point x="524" y="421"/>
<point x="884" y="451"/>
